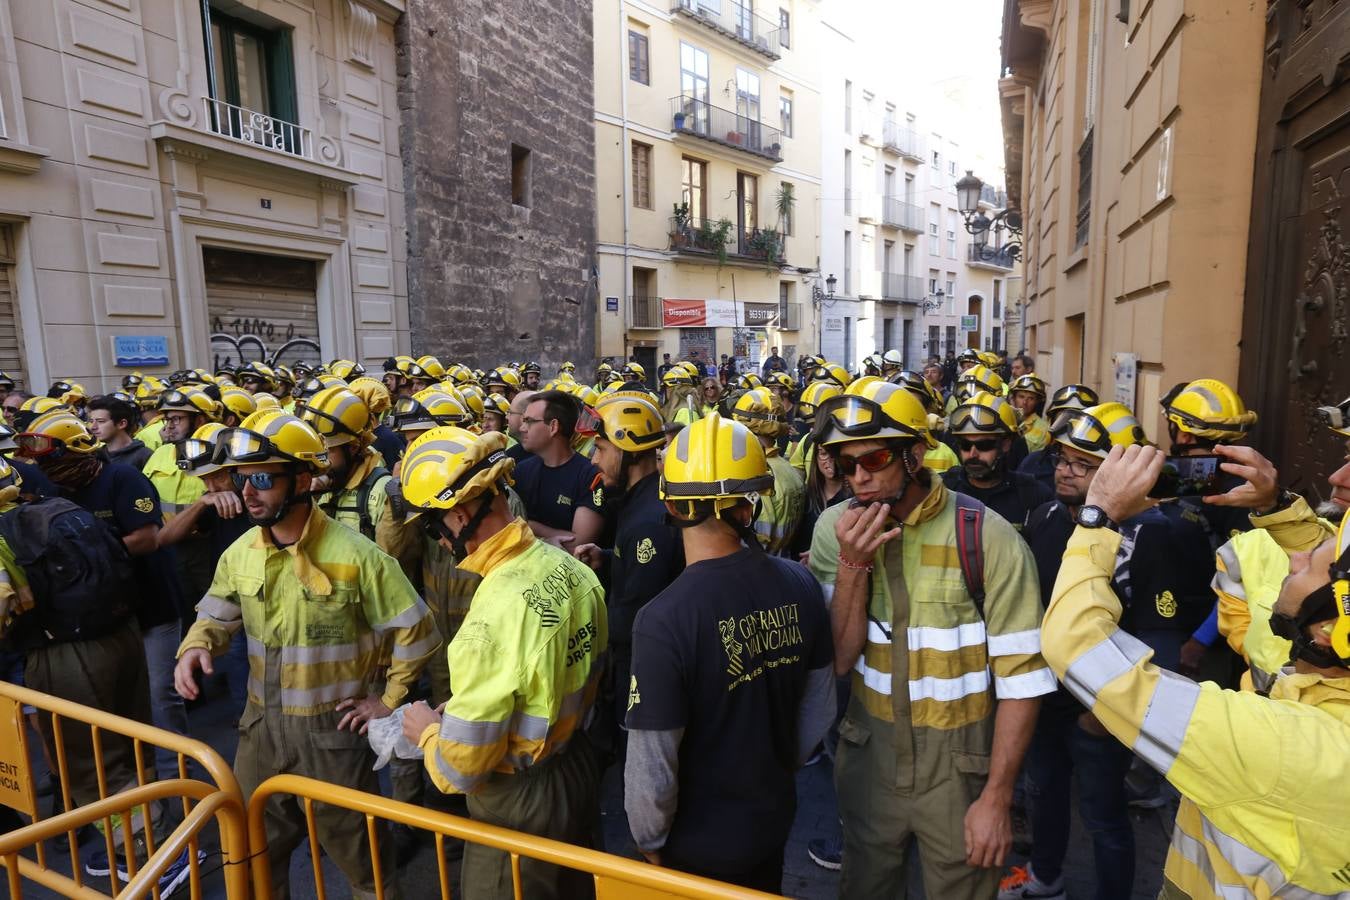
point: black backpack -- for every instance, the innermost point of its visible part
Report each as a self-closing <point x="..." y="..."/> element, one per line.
<point x="81" y="575"/>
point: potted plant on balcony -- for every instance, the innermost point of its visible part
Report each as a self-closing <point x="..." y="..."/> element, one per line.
<point x="713" y="236"/>
<point x="679" y="120"/>
<point x="735" y="137"/>
<point x="680" y="230"/>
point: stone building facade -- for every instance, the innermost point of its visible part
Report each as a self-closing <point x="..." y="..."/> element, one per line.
<point x="196" y="183"/>
<point x="499" y="162"/>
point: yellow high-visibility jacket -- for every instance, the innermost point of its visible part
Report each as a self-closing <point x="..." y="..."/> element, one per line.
<point x="177" y="489"/>
<point x="1265" y="781"/>
<point x="525" y="665"/>
<point x="149" y="435"/>
<point x="780" y="512"/>
<point x="1036" y="432"/>
<point x="318" y="611"/>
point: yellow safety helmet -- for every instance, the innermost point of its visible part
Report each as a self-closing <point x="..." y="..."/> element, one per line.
<point x="7" y="381"/>
<point x="1340" y="592"/>
<point x="260" y="372"/>
<point x="814" y="395"/>
<point x="196" y="455"/>
<point x="614" y="387"/>
<point x="568" y="366"/>
<point x="833" y="372"/>
<point x="505" y="376"/>
<point x="1072" y="396"/>
<point x="284" y="376"/>
<point x="192" y="399"/>
<point x="1337" y="418"/>
<point x="990" y="359"/>
<point x="238" y="401"/>
<point x="978" y="378"/>
<point x="634" y="370"/>
<point x="781" y="380"/>
<point x="75" y="396"/>
<point x="55" y="431"/>
<point x="373" y="394"/>
<point x="338" y="414"/>
<point x="917" y="385"/>
<point x="346" y="369"/>
<point x="432" y="367"/>
<point x="459" y="374"/>
<point x="474" y="398"/>
<point x="588" y="395"/>
<point x="1208" y="409"/>
<point x="984" y="414"/>
<point x="496" y="403"/>
<point x="717" y="461"/>
<point x="878" y="410"/>
<point x="9" y="475"/>
<point x="762" y="411"/>
<point x="148" y="391"/>
<point x="429" y="408"/>
<point x="446" y="467"/>
<point x="677" y="375"/>
<point x="266" y="401"/>
<point x="272" y="436"/>
<point x="316" y="383"/>
<point x="749" y="381"/>
<point x="630" y="421"/>
<point x="693" y="370"/>
<point x="1097" y="429"/>
<point x="1031" y="383"/>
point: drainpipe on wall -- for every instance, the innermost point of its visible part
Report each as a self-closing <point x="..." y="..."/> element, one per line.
<point x="627" y="167"/>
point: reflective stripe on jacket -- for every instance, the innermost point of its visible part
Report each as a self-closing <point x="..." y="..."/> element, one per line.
<point x="177" y="490"/>
<point x="525" y="665"/>
<point x="1265" y="781"/>
<point x="324" y="604"/>
<point x="958" y="662"/>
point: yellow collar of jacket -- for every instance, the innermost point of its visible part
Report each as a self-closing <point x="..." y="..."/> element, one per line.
<point x="512" y="540"/>
<point x="310" y="575"/>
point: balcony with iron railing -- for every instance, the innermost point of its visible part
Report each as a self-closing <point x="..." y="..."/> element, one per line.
<point x="902" y="141"/>
<point x="697" y="118"/>
<point x="904" y="288"/>
<point x="645" y="312"/>
<point x="251" y="127"/>
<point x="737" y="21"/>
<point x="1000" y="259"/>
<point x="896" y="213"/>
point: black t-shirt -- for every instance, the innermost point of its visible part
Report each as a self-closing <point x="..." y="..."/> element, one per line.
<point x="35" y="481"/>
<point x="389" y="444"/>
<point x="1015" y="498"/>
<point x="723" y="653"/>
<point x="647" y="555"/>
<point x="125" y="500"/>
<point x="552" y="494"/>
<point x="221" y="533"/>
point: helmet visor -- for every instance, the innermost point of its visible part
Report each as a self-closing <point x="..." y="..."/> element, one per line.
<point x="35" y="445"/>
<point x="982" y="419"/>
<point x="239" y="445"/>
<point x="1086" y="433"/>
<point x="194" y="453"/>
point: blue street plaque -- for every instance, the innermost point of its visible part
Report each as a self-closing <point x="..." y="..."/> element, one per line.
<point x="133" y="351"/>
<point x="611" y="304"/>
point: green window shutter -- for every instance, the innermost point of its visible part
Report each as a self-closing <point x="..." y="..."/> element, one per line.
<point x="281" y="78"/>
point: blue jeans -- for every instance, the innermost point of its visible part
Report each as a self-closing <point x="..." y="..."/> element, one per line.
<point x="1060" y="746"/>
<point x="166" y="706"/>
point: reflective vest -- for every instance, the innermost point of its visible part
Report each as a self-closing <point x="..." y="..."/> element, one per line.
<point x="1249" y="571"/>
<point x="940" y="458"/>
<point x="177" y="490"/>
<point x="315" y="615"/>
<point x="780" y="512"/>
<point x="149" y="435"/>
<point x="525" y="665"/>
<point x="935" y="661"/>
<point x="1036" y="431"/>
<point x="1265" y="780"/>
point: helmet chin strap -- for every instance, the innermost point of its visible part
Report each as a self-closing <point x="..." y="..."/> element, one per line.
<point x="293" y="498"/>
<point x="1319" y="606"/>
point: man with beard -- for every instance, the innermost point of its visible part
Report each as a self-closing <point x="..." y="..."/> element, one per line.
<point x="984" y="428"/>
<point x="647" y="553"/>
<point x="317" y="602"/>
<point x="352" y="491"/>
<point x="1069" y="738"/>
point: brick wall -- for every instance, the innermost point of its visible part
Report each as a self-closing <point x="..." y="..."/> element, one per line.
<point x="488" y="280"/>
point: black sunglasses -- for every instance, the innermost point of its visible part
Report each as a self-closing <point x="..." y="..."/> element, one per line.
<point x="983" y="446"/>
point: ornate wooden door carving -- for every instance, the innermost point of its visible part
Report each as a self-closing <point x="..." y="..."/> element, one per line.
<point x="1296" y="320"/>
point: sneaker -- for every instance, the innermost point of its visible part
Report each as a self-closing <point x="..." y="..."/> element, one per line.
<point x="96" y="863"/>
<point x="177" y="872"/>
<point x="828" y="853"/>
<point x="1020" y="884"/>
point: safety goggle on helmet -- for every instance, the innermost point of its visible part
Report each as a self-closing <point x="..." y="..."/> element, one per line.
<point x="271" y="436"/>
<point x="852" y="417"/>
<point x="984" y="414"/>
<point x="1337" y="418"/>
<point x="1097" y="429"/>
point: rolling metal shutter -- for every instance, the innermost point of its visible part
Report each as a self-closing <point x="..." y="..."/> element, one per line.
<point x="261" y="308"/>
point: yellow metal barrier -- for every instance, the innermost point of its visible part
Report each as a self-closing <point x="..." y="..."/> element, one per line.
<point x="220" y="801"/>
<point x="616" y="878"/>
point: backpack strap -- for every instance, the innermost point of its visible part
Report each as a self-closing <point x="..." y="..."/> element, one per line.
<point x="970" y="546"/>
<point x="363" y="500"/>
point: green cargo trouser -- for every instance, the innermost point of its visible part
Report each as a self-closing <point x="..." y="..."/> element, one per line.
<point x="888" y="798"/>
<point x="559" y="799"/>
<point x="107" y="673"/>
<point x="271" y="743"/>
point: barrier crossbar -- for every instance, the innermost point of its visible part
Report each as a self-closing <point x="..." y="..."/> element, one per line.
<point x="615" y="877"/>
<point x="219" y="801"/>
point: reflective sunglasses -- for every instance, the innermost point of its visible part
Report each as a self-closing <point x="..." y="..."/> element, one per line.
<point x="261" y="481"/>
<point x="873" y="461"/>
<point x="984" y="445"/>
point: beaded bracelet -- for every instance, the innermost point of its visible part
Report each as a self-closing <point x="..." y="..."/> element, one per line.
<point x="850" y="564"/>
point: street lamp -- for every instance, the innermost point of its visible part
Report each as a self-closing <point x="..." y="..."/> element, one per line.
<point x="968" y="191"/>
<point x="934" y="301"/>
<point x="820" y="299"/>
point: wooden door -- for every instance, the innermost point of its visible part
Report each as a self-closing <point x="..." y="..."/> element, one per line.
<point x="1295" y="347"/>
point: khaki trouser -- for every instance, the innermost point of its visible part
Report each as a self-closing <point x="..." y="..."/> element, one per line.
<point x="107" y="673"/>
<point x="885" y="804"/>
<point x="271" y="743"/>
<point x="559" y="799"/>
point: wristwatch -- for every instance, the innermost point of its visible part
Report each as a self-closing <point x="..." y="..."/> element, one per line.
<point x="1093" y="517"/>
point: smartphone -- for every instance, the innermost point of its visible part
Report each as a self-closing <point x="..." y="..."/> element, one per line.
<point x="1189" y="476"/>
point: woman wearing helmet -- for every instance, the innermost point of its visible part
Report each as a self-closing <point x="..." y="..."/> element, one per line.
<point x="762" y="413"/>
<point x="525" y="666"/>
